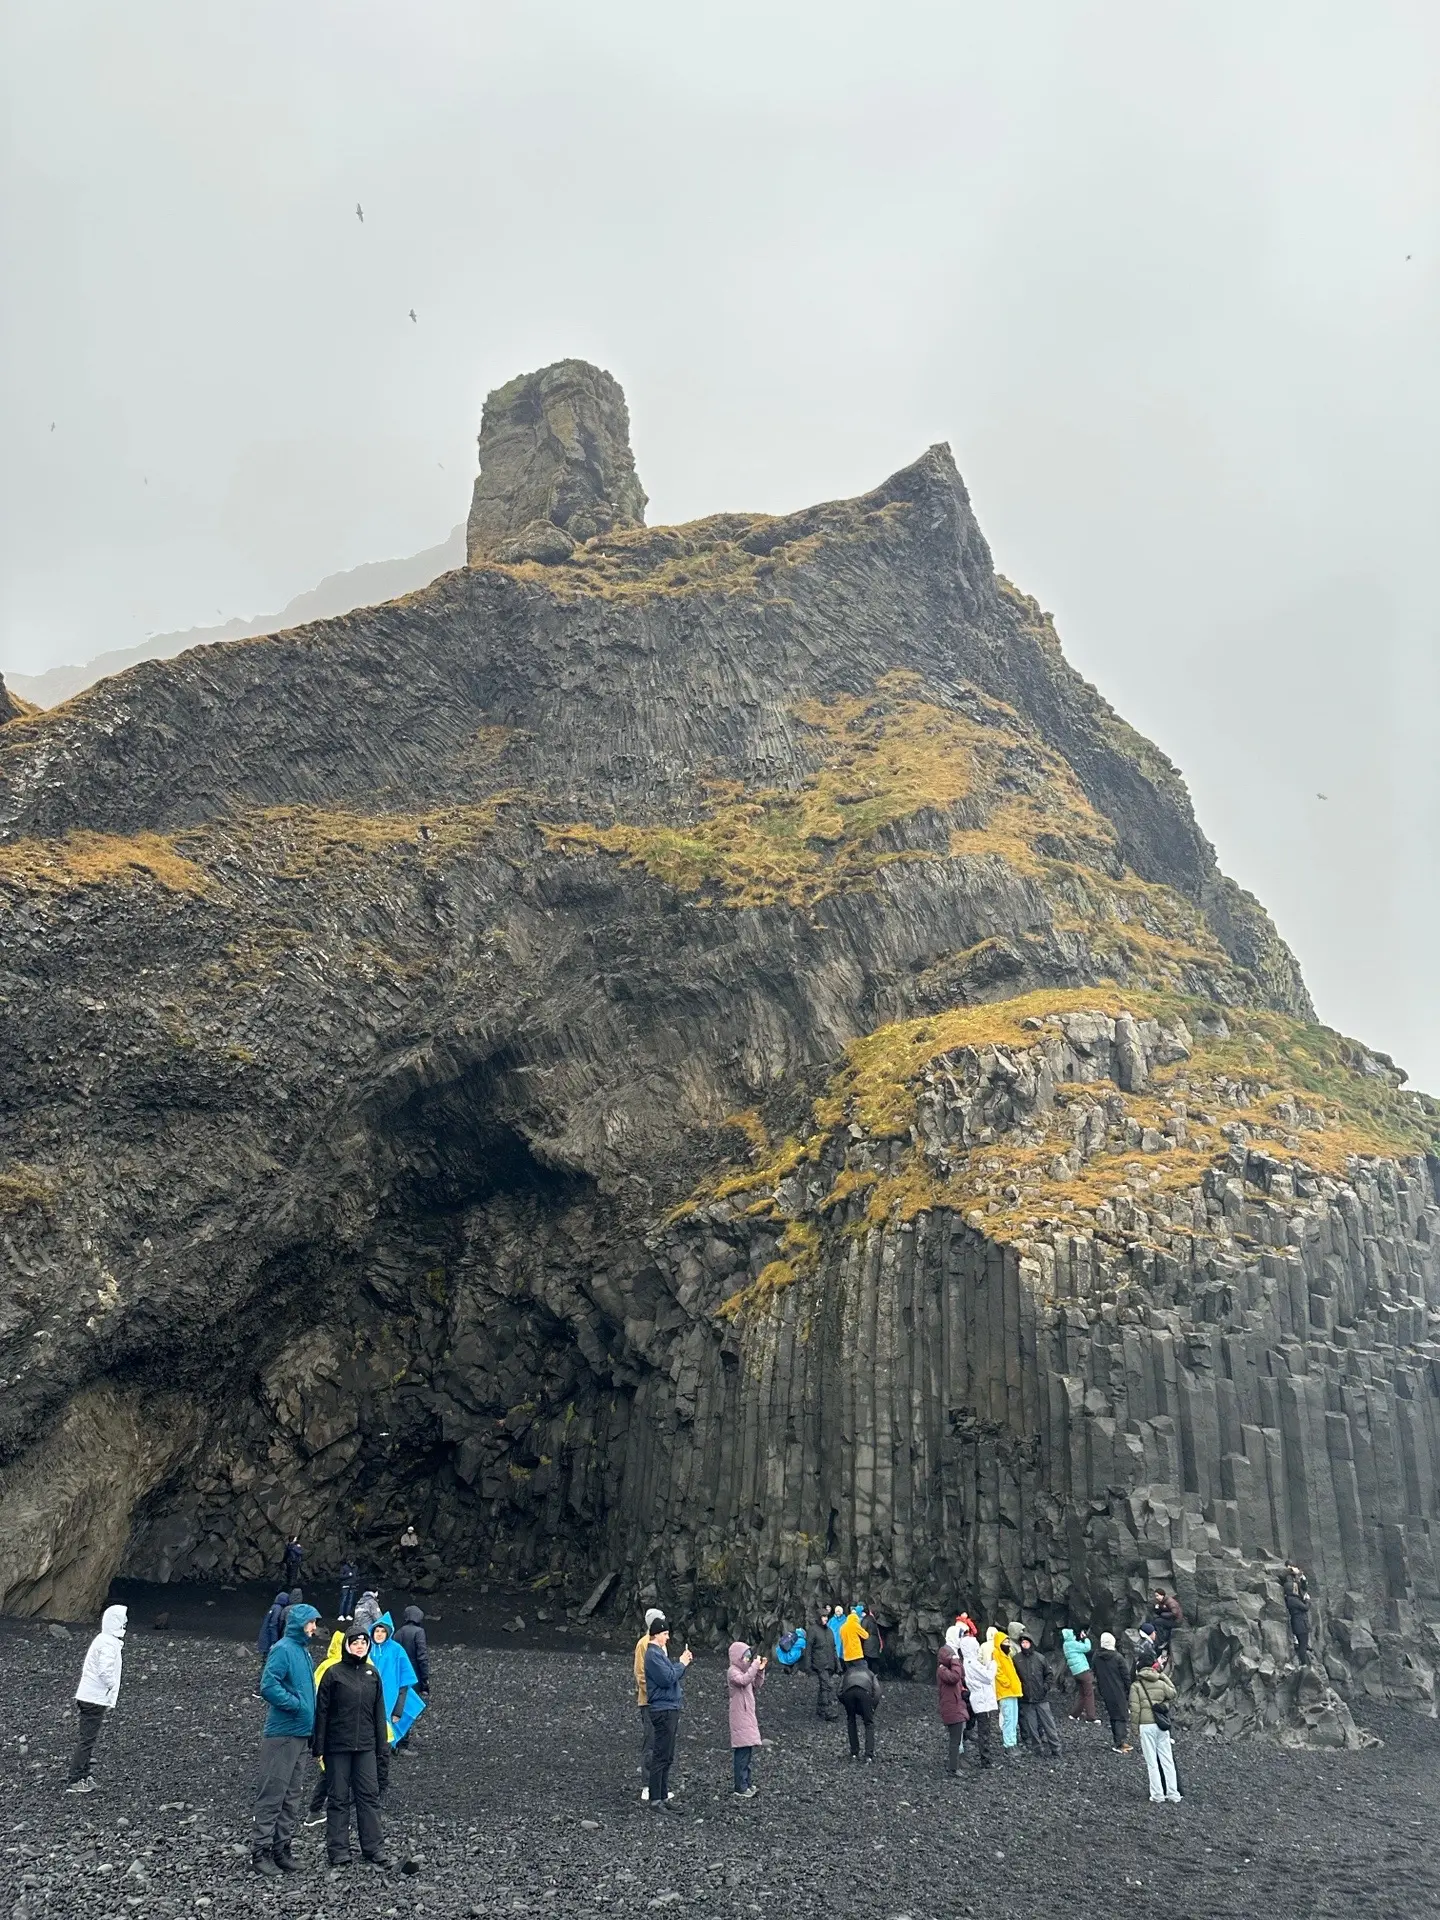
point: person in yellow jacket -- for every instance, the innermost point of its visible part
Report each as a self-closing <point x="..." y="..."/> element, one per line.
<point x="1007" y="1685"/>
<point x="853" y="1635"/>
<point x="642" y="1699"/>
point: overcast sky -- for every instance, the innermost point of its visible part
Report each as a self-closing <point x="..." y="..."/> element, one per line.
<point x="1164" y="275"/>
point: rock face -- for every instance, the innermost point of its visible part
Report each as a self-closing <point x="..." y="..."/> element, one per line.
<point x="555" y="466"/>
<point x="713" y="1057"/>
<point x="10" y="707"/>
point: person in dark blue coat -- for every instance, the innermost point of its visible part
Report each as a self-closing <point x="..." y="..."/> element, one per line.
<point x="664" y="1682"/>
<point x="271" y="1628"/>
<point x="288" y="1688"/>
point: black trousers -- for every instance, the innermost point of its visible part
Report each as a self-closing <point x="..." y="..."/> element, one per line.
<point x="666" y="1721"/>
<point x="353" y="1778"/>
<point x="647" y="1742"/>
<point x="955" y="1737"/>
<point x="860" y="1707"/>
<point x="92" y="1718"/>
<point x="1300" y="1627"/>
<point x="1119" y="1727"/>
<point x="825" y="1707"/>
<point x="984" y="1724"/>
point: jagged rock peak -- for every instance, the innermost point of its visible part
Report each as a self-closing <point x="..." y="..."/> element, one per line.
<point x="555" y="465"/>
<point x="10" y="707"/>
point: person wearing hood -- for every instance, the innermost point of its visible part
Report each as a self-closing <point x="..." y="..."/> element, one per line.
<point x="664" y="1690"/>
<point x="962" y="1624"/>
<point x="412" y="1637"/>
<point x="853" y="1635"/>
<point x="97" y="1693"/>
<point x="979" y="1666"/>
<point x="835" y="1622"/>
<point x="403" y="1701"/>
<point x="296" y="1598"/>
<point x="351" y="1740"/>
<point x="367" y="1610"/>
<point x="822" y="1656"/>
<point x="290" y="1560"/>
<point x="288" y="1688"/>
<point x="860" y="1696"/>
<point x="1112" y="1677"/>
<point x="1151" y="1695"/>
<point x="1001" y="1648"/>
<point x="744" y="1678"/>
<point x="1076" y="1649"/>
<point x="271" y="1627"/>
<point x="1037" y="1716"/>
<point x="953" y="1702"/>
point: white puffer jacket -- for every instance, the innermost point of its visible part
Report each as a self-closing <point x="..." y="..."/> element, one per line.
<point x="979" y="1675"/>
<point x="100" y="1675"/>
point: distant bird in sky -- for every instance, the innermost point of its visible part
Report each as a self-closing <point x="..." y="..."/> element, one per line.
<point x="359" y="213"/>
<point x="1322" y="796"/>
<point x="412" y="316"/>
<point x="52" y="426"/>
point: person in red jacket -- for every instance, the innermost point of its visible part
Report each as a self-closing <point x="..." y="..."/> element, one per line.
<point x="954" y="1702"/>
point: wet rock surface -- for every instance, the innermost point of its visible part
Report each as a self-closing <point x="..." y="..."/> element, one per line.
<point x="521" y="1799"/>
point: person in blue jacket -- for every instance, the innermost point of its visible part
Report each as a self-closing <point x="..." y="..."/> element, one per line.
<point x="271" y="1628"/>
<point x="288" y="1688"/>
<point x="664" y="1692"/>
<point x="1076" y="1648"/>
<point x="834" y="1623"/>
<point x="404" y="1703"/>
<point x="790" y="1647"/>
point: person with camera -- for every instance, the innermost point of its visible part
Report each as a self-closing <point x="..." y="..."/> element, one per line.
<point x="1152" y="1694"/>
<point x="744" y="1677"/>
<point x="1296" y="1590"/>
<point x="664" y="1691"/>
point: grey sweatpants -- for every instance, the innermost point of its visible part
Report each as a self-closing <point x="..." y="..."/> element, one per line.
<point x="279" y="1784"/>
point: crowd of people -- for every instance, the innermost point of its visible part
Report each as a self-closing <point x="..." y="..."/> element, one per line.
<point x="996" y="1694"/>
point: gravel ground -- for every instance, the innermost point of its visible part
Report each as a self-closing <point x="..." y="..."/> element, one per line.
<point x="523" y="1799"/>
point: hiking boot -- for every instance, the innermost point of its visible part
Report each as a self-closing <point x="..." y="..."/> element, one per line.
<point x="336" y="1861"/>
<point x="377" y="1859"/>
<point x="285" y="1860"/>
<point x="263" y="1861"/>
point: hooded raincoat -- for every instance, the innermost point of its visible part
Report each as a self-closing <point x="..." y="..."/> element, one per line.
<point x="744" y="1678"/>
<point x="1002" y="1652"/>
<point x="979" y="1667"/>
<point x="100" y="1676"/>
<point x="272" y="1626"/>
<point x="950" y="1688"/>
<point x="403" y="1704"/>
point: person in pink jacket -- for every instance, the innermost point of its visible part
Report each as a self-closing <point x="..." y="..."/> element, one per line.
<point x="744" y="1678"/>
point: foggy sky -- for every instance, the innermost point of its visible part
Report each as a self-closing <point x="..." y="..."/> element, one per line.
<point x="1144" y="267"/>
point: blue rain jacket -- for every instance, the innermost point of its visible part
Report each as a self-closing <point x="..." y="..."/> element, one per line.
<point x="403" y="1704"/>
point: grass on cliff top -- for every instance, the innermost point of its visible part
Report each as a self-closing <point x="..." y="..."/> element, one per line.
<point x="885" y="758"/>
<point x="98" y="859"/>
<point x="305" y="841"/>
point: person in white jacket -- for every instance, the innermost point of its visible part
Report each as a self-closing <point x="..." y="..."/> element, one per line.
<point x="97" y="1693"/>
<point x="980" y="1683"/>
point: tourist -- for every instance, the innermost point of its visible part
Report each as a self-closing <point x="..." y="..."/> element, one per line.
<point x="1076" y="1649"/>
<point x="835" y="1623"/>
<point x="409" y="1551"/>
<point x="404" y="1702"/>
<point x="96" y="1694"/>
<point x="288" y="1687"/>
<point x="1151" y="1694"/>
<point x="790" y="1649"/>
<point x="979" y="1665"/>
<point x="296" y="1599"/>
<point x="853" y="1635"/>
<point x="351" y="1740"/>
<point x="1296" y="1590"/>
<point x="367" y="1609"/>
<point x="744" y="1678"/>
<point x="642" y="1702"/>
<point x="953" y="1703"/>
<point x="823" y="1658"/>
<point x="347" y="1589"/>
<point x="664" y="1680"/>
<point x="1166" y="1612"/>
<point x="860" y="1695"/>
<point x="413" y="1638"/>
<point x="271" y="1628"/>
<point x="1001" y="1648"/>
<point x="290" y="1560"/>
<point x="1037" y="1716"/>
<point x="1112" y="1677"/>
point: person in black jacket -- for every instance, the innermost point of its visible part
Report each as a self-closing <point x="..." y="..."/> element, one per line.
<point x="351" y="1736"/>
<point x="1112" y="1682"/>
<point x="860" y="1695"/>
<point x="1037" y="1716"/>
<point x="824" y="1663"/>
<point x="1296" y="1590"/>
<point x="411" y="1637"/>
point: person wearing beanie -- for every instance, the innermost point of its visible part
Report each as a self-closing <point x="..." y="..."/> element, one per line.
<point x="97" y="1693"/>
<point x="664" y="1689"/>
<point x="288" y="1688"/>
<point x="642" y="1700"/>
<point x="1151" y="1696"/>
<point x="1037" y="1716"/>
<point x="351" y="1737"/>
<point x="1112" y="1678"/>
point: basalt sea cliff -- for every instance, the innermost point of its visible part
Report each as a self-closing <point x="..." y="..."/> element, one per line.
<point x="706" y="1054"/>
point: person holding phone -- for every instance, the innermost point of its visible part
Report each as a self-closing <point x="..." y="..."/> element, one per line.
<point x="664" y="1690"/>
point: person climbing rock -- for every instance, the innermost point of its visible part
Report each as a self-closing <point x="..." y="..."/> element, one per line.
<point x="1166" y="1612"/>
<point x="1113" y="1677"/>
<point x="979" y="1666"/>
<point x="404" y="1702"/>
<point x="350" y="1737"/>
<point x="367" y="1609"/>
<point x="823" y="1659"/>
<point x="642" y="1700"/>
<point x="860" y="1696"/>
<point x="1151" y="1696"/>
<point x="1001" y="1649"/>
<point x="744" y="1678"/>
<point x="1296" y="1591"/>
<point x="1076" y="1649"/>
<point x="288" y="1687"/>
<point x="96" y="1694"/>
<point x="954" y="1704"/>
<point x="290" y="1561"/>
<point x="664" y="1689"/>
<point x="271" y="1628"/>
<point x="347" y="1589"/>
<point x="409" y="1552"/>
<point x="1037" y="1716"/>
<point x="853" y="1635"/>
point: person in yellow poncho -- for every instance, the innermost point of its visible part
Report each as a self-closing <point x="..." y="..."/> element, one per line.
<point x="1007" y="1685"/>
<point x="853" y="1635"/>
<point x="316" y="1815"/>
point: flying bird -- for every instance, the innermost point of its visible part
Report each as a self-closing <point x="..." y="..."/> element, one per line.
<point x="1322" y="796"/>
<point x="412" y="316"/>
<point x="52" y="426"/>
<point x="359" y="213"/>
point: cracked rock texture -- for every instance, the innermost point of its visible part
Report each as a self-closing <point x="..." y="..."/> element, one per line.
<point x="708" y="1054"/>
